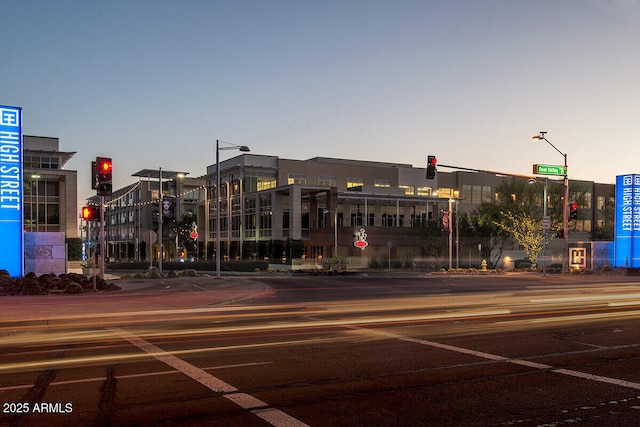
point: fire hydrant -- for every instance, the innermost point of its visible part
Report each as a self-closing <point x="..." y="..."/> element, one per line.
<point x="483" y="265"/>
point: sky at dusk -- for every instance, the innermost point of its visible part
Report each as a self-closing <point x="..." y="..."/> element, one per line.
<point x="155" y="83"/>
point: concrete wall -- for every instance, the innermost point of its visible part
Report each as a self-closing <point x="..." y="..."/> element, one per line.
<point x="45" y="253"/>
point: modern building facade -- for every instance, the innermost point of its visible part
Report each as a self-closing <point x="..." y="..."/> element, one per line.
<point x="50" y="191"/>
<point x="333" y="207"/>
<point x="131" y="215"/>
<point x="330" y="204"/>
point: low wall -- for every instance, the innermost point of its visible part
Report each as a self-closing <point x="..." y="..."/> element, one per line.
<point x="45" y="253"/>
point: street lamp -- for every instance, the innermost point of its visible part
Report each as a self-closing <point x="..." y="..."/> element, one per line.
<point x="565" y="255"/>
<point x="242" y="148"/>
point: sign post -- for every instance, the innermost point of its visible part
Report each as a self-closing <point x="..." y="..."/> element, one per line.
<point x="11" y="191"/>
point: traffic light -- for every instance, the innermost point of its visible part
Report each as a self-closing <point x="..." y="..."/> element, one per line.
<point x="90" y="213"/>
<point x="431" y="167"/>
<point x="104" y="176"/>
<point x="573" y="211"/>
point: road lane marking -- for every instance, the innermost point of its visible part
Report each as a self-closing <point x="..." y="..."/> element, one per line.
<point x="521" y="362"/>
<point x="123" y="377"/>
<point x="259" y="408"/>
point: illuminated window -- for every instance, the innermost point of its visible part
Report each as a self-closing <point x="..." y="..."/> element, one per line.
<point x="354" y="181"/>
<point x="409" y="190"/>
<point x="425" y="191"/>
<point x="446" y="193"/>
<point x="382" y="183"/>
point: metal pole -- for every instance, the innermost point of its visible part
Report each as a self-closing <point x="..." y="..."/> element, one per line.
<point x="335" y="232"/>
<point x="544" y="230"/>
<point x="565" y="219"/>
<point x="457" y="238"/>
<point x="101" y="237"/>
<point x="160" y="220"/>
<point x="450" y="237"/>
<point x="206" y="222"/>
<point x="217" y="209"/>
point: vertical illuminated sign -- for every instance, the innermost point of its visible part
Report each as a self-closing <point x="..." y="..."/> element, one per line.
<point x="627" y="234"/>
<point x="11" y="217"/>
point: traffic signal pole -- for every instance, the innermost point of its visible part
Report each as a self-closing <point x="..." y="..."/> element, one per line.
<point x="101" y="237"/>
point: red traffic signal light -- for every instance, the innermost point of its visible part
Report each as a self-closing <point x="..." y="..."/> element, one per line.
<point x="573" y="210"/>
<point x="104" y="168"/>
<point x="104" y="175"/>
<point x="90" y="213"/>
<point x="431" y="167"/>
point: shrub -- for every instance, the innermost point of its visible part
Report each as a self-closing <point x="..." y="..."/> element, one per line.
<point x="30" y="286"/>
<point x="189" y="273"/>
<point x="153" y="274"/>
<point x="375" y="263"/>
<point x="73" y="288"/>
<point x="172" y="274"/>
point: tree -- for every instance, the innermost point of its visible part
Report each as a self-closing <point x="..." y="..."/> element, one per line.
<point x="74" y="248"/>
<point x="526" y="231"/>
<point x="492" y="238"/>
<point x="520" y="204"/>
<point x="434" y="240"/>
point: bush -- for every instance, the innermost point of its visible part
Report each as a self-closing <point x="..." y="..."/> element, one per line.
<point x="189" y="273"/>
<point x="73" y="288"/>
<point x="30" y="286"/>
<point x="153" y="274"/>
<point x="375" y="263"/>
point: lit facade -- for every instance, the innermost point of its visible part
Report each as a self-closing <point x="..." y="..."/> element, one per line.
<point x="323" y="203"/>
<point x="50" y="191"/>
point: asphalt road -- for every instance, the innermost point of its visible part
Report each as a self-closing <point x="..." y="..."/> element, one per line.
<point x="329" y="351"/>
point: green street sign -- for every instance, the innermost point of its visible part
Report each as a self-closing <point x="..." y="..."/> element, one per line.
<point x="549" y="170"/>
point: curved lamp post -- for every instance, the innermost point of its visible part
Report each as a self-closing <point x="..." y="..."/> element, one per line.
<point x="565" y="224"/>
<point x="229" y="146"/>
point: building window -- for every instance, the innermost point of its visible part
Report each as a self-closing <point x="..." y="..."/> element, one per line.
<point x="328" y="180"/>
<point x="357" y="215"/>
<point x="487" y="194"/>
<point x="425" y="191"/>
<point x="296" y="178"/>
<point x="389" y="216"/>
<point x="409" y="190"/>
<point x="587" y="200"/>
<point x="354" y="181"/>
<point x="466" y="192"/>
<point x="382" y="183"/>
<point x="41" y="162"/>
<point x="446" y="193"/>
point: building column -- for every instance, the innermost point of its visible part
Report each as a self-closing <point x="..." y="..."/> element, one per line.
<point x="295" y="212"/>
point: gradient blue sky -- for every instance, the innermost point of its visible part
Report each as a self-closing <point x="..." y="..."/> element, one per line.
<point x="154" y="83"/>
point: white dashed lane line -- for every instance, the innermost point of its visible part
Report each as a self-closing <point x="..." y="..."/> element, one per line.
<point x="259" y="408"/>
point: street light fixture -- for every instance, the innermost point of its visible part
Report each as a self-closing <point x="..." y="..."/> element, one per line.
<point x="565" y="255"/>
<point x="229" y="146"/>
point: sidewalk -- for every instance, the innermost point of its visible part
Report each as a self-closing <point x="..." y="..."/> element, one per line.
<point x="139" y="300"/>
